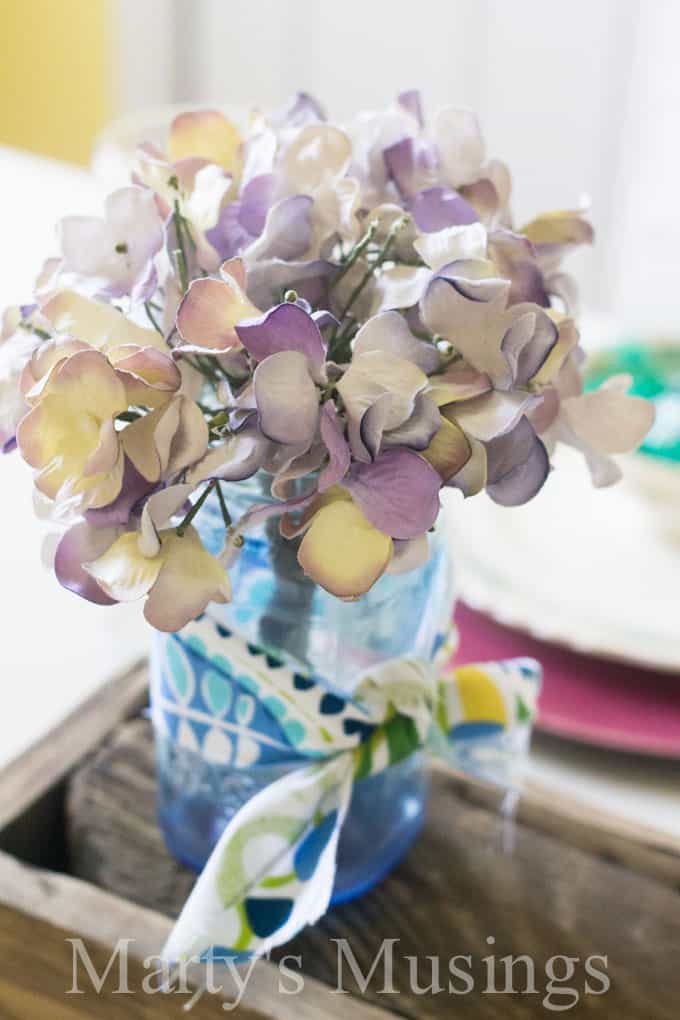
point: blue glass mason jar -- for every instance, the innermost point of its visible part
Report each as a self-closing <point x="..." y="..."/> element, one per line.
<point x="280" y="610"/>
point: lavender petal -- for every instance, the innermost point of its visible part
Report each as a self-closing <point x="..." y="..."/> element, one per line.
<point x="517" y="465"/>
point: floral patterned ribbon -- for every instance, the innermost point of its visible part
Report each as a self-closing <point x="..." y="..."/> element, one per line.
<point x="273" y="869"/>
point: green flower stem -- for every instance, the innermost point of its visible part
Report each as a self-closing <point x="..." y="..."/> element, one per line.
<point x="180" y="252"/>
<point x="338" y="343"/>
<point x="226" y="516"/>
<point x="181" y="528"/>
<point x="356" y="253"/>
<point x="380" y="258"/>
<point x="151" y="317"/>
<point x="220" y="419"/>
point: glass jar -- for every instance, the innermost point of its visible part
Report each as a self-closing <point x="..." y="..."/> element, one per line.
<point x="280" y="610"/>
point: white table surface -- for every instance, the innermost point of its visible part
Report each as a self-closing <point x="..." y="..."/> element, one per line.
<point x="57" y="649"/>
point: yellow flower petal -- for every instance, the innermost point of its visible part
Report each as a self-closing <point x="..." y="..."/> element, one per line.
<point x="449" y="450"/>
<point x="69" y="436"/>
<point x="98" y="324"/>
<point x="44" y="360"/>
<point x="567" y="339"/>
<point x="150" y="376"/>
<point x="206" y="134"/>
<point x="189" y="579"/>
<point x="562" y="226"/>
<point x="123" y="572"/>
<point x="342" y="551"/>
<point x="210" y="311"/>
<point x="147" y="440"/>
<point x="166" y="440"/>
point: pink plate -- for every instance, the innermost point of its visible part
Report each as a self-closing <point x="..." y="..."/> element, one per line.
<point x="585" y="699"/>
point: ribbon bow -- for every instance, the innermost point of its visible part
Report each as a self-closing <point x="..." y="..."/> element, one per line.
<point x="273" y="869"/>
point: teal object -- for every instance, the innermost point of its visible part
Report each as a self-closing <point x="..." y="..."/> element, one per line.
<point x="216" y="751"/>
<point x="655" y="368"/>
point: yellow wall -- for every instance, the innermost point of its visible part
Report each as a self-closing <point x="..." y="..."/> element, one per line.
<point x="55" y="75"/>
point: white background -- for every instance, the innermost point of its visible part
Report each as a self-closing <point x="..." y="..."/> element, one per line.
<point x="579" y="98"/>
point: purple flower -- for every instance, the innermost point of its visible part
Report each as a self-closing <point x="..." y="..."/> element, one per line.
<point x="290" y="352"/>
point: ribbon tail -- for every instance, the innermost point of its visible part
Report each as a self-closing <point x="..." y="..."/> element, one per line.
<point x="272" y="871"/>
<point x="484" y="716"/>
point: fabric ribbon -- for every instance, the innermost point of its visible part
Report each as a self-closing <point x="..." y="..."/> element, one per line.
<point x="273" y="869"/>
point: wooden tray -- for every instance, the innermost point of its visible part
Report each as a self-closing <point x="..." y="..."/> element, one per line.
<point x="561" y="880"/>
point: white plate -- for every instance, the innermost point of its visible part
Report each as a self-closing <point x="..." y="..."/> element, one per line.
<point x="597" y="570"/>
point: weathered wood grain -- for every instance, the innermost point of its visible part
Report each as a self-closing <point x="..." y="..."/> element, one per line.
<point x="36" y="974"/>
<point x="601" y="833"/>
<point x="458" y="888"/>
<point x="54" y="901"/>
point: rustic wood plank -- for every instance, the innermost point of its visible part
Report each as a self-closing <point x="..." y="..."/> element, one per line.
<point x="33" y="773"/>
<point x="457" y="888"/>
<point x="97" y="916"/>
<point x="37" y="973"/>
<point x="636" y="846"/>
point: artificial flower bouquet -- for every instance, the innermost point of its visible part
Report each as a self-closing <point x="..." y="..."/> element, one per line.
<point x="349" y="312"/>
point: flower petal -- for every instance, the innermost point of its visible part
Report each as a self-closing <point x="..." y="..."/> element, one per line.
<point x="62" y="437"/>
<point x="342" y="551"/>
<point x="149" y="375"/>
<point x="267" y="280"/>
<point x="471" y="478"/>
<point x="80" y="544"/>
<point x="116" y="251"/>
<point x="398" y="492"/>
<point x="233" y="460"/>
<point x="158" y="510"/>
<point x="319" y="152"/>
<point x="528" y="340"/>
<point x="389" y="332"/>
<point x="459" y="382"/>
<point x="209" y="312"/>
<point x="167" y="440"/>
<point x="190" y="440"/>
<point x="287" y="232"/>
<point x="460" y="145"/>
<point x="287" y="399"/>
<point x="304" y="462"/>
<point x="287" y="327"/>
<point x="188" y="580"/>
<point x="398" y="286"/>
<point x="339" y="456"/>
<point x="409" y="555"/>
<point x="517" y="465"/>
<point x="98" y="324"/>
<point x="207" y="134"/>
<point x="374" y="375"/>
<point x="123" y="572"/>
<point x="561" y="226"/>
<point x="434" y="209"/>
<point x="608" y="419"/>
<point x="492" y="414"/>
<point x="134" y="487"/>
<point x="515" y="257"/>
<point x="452" y="244"/>
<point x="410" y="100"/>
<point x="449" y="450"/>
<point x="567" y="340"/>
<point x="45" y="358"/>
<point x="473" y="326"/>
<point x="418" y="430"/>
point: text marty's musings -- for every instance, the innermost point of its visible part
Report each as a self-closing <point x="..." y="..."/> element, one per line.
<point x="559" y="981"/>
